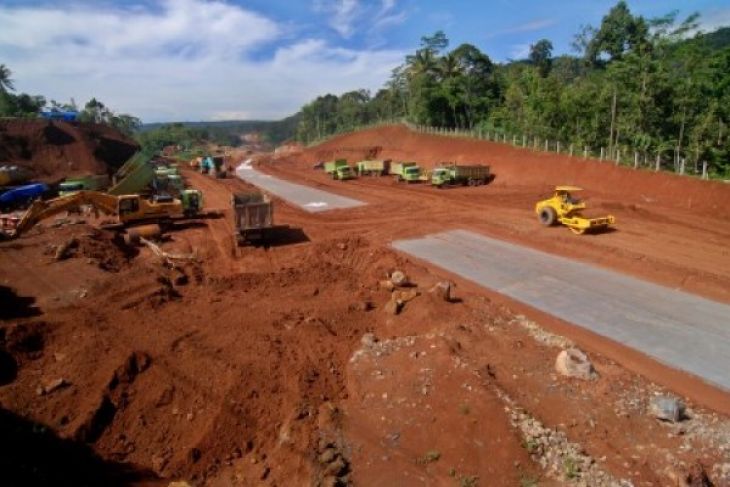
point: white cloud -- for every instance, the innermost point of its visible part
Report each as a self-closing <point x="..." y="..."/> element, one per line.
<point x="183" y="60"/>
<point x="343" y="13"/>
<point x="347" y="17"/>
<point x="712" y="20"/>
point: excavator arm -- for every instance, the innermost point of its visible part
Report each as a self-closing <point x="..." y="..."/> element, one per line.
<point x="40" y="210"/>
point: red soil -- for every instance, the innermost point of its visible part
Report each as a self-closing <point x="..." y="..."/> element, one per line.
<point x="53" y="149"/>
<point x="250" y="370"/>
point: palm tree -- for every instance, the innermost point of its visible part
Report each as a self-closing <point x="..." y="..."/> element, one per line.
<point x="6" y="84"/>
<point x="422" y="62"/>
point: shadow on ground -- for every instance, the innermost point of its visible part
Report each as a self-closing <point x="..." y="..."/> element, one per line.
<point x="13" y="306"/>
<point x="31" y="454"/>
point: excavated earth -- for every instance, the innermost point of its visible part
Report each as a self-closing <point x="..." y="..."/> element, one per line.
<point x="281" y="365"/>
<point x="53" y="150"/>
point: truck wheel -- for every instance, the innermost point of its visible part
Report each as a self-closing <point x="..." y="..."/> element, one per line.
<point x="547" y="216"/>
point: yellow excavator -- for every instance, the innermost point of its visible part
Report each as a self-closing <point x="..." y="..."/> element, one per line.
<point x="566" y="209"/>
<point x="125" y="209"/>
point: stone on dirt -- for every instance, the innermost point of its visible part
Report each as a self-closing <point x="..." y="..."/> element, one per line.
<point x="573" y="362"/>
<point x="387" y="285"/>
<point x="393" y="307"/>
<point x="399" y="279"/>
<point x="53" y="385"/>
<point x="62" y="251"/>
<point x="667" y="408"/>
<point x="442" y="290"/>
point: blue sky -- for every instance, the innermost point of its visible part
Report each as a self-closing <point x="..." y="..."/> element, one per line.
<point x="166" y="60"/>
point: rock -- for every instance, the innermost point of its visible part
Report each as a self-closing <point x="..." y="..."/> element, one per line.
<point x="387" y="285"/>
<point x="399" y="279"/>
<point x="158" y="463"/>
<point x="336" y="468"/>
<point x="573" y="362"/>
<point x="405" y="296"/>
<point x="697" y="477"/>
<point x="667" y="408"/>
<point x="368" y="340"/>
<point x="393" y="307"/>
<point x="51" y="386"/>
<point x="63" y="250"/>
<point x="327" y="456"/>
<point x="442" y="290"/>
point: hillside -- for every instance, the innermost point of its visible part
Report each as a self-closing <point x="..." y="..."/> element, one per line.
<point x="54" y="149"/>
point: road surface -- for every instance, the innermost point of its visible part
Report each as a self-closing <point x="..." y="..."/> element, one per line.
<point x="310" y="199"/>
<point x="678" y="329"/>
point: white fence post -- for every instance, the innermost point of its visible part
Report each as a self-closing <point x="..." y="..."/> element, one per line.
<point x="524" y="140"/>
<point x="557" y="148"/>
<point x="514" y="140"/>
<point x="636" y="160"/>
<point x="602" y="151"/>
<point x="704" y="170"/>
<point x="546" y="145"/>
<point x="571" y="150"/>
<point x="681" y="166"/>
<point x="658" y="162"/>
<point x="618" y="156"/>
<point x="585" y="152"/>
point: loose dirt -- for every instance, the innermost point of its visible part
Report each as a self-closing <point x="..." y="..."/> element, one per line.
<point x="278" y="365"/>
<point x="53" y="150"/>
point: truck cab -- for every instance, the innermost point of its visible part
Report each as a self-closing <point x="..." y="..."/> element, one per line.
<point x="411" y="173"/>
<point x="440" y="176"/>
<point x="344" y="173"/>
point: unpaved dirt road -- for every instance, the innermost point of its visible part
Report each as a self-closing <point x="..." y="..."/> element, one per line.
<point x="280" y="364"/>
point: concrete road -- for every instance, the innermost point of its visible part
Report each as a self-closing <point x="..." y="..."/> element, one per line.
<point x="681" y="330"/>
<point x="310" y="199"/>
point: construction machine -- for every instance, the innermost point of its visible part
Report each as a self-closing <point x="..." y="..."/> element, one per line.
<point x="567" y="210"/>
<point x="126" y="210"/>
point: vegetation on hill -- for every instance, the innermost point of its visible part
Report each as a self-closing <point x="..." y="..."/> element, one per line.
<point x="647" y="85"/>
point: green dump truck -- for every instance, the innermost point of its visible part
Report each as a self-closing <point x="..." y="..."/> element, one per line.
<point x="92" y="183"/>
<point x="339" y="169"/>
<point x="373" y="167"/>
<point x="410" y="172"/>
<point x="460" y="174"/>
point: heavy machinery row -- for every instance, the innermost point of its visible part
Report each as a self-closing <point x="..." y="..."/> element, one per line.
<point x="148" y="191"/>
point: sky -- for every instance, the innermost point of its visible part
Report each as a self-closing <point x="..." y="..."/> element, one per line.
<point x="189" y="60"/>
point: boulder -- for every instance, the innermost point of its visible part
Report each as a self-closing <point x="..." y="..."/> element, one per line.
<point x="573" y="362"/>
<point x="667" y="408"/>
<point x="399" y="279"/>
<point x="393" y="307"/>
<point x="442" y="290"/>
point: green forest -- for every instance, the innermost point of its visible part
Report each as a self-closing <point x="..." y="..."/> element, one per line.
<point x="655" y="87"/>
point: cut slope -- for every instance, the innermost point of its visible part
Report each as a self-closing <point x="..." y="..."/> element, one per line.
<point x="521" y="167"/>
<point x="55" y="149"/>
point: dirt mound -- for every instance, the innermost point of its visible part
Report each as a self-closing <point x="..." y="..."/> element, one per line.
<point x="53" y="149"/>
<point x="521" y="167"/>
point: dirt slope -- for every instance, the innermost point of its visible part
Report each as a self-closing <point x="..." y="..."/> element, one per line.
<point x="55" y="149"/>
<point x="280" y="366"/>
<point x="520" y="167"/>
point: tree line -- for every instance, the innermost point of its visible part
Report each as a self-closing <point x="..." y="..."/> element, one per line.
<point x="657" y="87"/>
<point x="23" y="105"/>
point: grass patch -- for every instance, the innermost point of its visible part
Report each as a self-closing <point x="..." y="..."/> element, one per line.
<point x="429" y="457"/>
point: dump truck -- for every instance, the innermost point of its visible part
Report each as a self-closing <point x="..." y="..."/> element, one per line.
<point x="94" y="182"/>
<point x="460" y="174"/>
<point x="563" y="208"/>
<point x="253" y="214"/>
<point x="128" y="209"/>
<point x="373" y="167"/>
<point x="339" y="170"/>
<point x="409" y="172"/>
